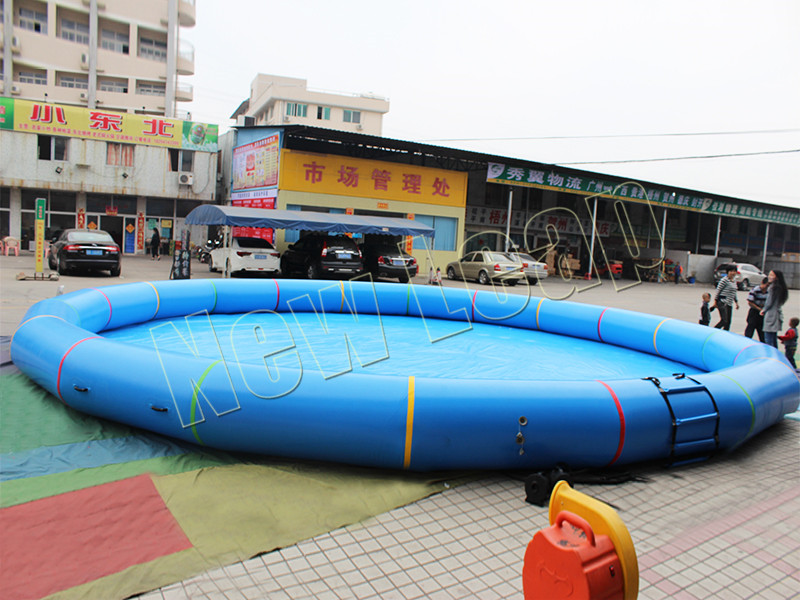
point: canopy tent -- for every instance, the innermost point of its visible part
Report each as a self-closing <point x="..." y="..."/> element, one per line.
<point x="240" y="216"/>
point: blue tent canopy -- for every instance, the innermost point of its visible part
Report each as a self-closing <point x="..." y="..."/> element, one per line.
<point x="240" y="216"/>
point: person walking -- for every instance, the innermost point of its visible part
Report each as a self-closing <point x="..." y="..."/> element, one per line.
<point x="726" y="299"/>
<point x="755" y="300"/>
<point x="155" y="245"/>
<point x="677" y="273"/>
<point x="777" y="295"/>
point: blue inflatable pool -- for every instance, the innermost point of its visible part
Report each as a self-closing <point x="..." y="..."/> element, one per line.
<point x="402" y="376"/>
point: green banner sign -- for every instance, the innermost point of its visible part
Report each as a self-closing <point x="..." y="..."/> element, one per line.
<point x="551" y="179"/>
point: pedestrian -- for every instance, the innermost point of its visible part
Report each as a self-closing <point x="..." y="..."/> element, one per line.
<point x="725" y="299"/>
<point x="677" y="272"/>
<point x="777" y="295"/>
<point x="155" y="245"/>
<point x="789" y="340"/>
<point x="755" y="300"/>
<point x="705" y="311"/>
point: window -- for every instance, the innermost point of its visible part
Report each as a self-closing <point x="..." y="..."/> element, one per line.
<point x="74" y="31"/>
<point x="119" y="155"/>
<point x="52" y="147"/>
<point x="115" y="41"/>
<point x="324" y="113"/>
<point x="108" y="85"/>
<point x="352" y="116"/>
<point x="32" y="77"/>
<point x="33" y="20"/>
<point x="150" y="89"/>
<point x="444" y="233"/>
<point x="293" y="109"/>
<point x="74" y="81"/>
<point x="153" y="49"/>
<point x="181" y="160"/>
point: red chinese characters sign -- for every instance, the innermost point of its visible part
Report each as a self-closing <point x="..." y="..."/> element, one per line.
<point x="345" y="176"/>
<point x="72" y="121"/>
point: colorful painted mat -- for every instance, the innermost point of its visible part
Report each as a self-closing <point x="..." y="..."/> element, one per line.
<point x="96" y="509"/>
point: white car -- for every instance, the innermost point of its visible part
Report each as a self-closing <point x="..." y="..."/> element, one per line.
<point x="533" y="269"/>
<point x="246" y="254"/>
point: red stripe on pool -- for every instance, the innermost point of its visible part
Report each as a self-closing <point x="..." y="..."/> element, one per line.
<point x="600" y="337"/>
<point x="110" y="308"/>
<point x="61" y="364"/>
<point x="621" y="422"/>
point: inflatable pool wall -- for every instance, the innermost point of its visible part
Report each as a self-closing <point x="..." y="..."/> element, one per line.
<point x="282" y="408"/>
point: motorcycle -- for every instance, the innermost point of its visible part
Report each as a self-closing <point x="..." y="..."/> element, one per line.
<point x="203" y="252"/>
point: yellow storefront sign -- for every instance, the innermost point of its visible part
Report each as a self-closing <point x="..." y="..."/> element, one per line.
<point x="345" y="176"/>
<point x="96" y="124"/>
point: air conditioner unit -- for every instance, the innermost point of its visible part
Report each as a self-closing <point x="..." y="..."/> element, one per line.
<point x="85" y="61"/>
<point x="84" y="95"/>
<point x="359" y="127"/>
<point x="186" y="178"/>
<point x="15" y="45"/>
<point x="15" y="89"/>
<point x="285" y="118"/>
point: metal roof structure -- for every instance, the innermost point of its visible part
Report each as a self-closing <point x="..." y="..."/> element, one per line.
<point x="240" y="216"/>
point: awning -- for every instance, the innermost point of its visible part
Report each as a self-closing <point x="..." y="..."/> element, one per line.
<point x="240" y="216"/>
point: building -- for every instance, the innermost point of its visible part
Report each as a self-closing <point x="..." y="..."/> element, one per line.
<point x="476" y="200"/>
<point x="281" y="101"/>
<point x="121" y="172"/>
<point x="115" y="55"/>
<point x="88" y="119"/>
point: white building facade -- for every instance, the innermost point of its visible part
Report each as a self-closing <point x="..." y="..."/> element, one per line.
<point x="121" y="172"/>
<point x="116" y="55"/>
<point x="278" y="101"/>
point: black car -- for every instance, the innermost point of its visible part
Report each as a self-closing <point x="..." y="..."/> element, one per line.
<point x="84" y="249"/>
<point x="321" y="255"/>
<point x="388" y="260"/>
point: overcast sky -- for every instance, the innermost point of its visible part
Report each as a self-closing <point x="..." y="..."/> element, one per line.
<point x="498" y="76"/>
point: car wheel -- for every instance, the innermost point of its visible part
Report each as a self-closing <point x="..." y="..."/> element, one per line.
<point x="483" y="278"/>
<point x="51" y="261"/>
<point x="451" y="273"/>
<point x="403" y="279"/>
<point x="312" y="272"/>
<point x="284" y="269"/>
<point x="211" y="264"/>
<point x="512" y="282"/>
<point x="62" y="267"/>
<point x="115" y="271"/>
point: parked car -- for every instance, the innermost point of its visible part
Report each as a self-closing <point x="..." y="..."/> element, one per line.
<point x="84" y="249"/>
<point x="485" y="266"/>
<point x="747" y="275"/>
<point x="246" y="254"/>
<point x="318" y="255"/>
<point x="387" y="260"/>
<point x="533" y="269"/>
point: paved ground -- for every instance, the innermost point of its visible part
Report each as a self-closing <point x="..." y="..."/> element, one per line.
<point x="728" y="528"/>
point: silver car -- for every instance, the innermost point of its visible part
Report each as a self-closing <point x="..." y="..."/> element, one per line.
<point x="533" y="269"/>
<point x="485" y="266"/>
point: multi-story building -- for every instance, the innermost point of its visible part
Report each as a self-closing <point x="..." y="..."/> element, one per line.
<point x="276" y="100"/>
<point x="88" y="119"/>
<point x="111" y="54"/>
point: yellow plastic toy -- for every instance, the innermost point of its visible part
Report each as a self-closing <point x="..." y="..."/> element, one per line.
<point x="604" y="520"/>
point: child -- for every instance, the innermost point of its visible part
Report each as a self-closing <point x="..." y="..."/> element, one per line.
<point x="705" y="311"/>
<point x="789" y="340"/>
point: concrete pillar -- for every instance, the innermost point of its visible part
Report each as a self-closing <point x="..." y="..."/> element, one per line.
<point x="15" y="213"/>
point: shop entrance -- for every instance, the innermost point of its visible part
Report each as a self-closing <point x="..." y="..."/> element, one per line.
<point x="111" y="224"/>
